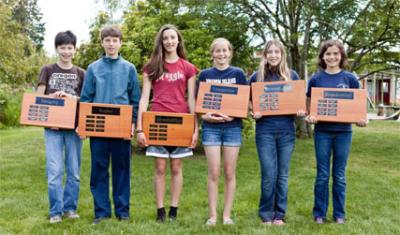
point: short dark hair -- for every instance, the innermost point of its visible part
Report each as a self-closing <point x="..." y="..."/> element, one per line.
<point x="111" y="30"/>
<point x="63" y="38"/>
<point x="324" y="47"/>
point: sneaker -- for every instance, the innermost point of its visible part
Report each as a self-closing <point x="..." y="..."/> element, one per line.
<point x="339" y="220"/>
<point x="71" y="215"/>
<point x="173" y="213"/>
<point x="160" y="215"/>
<point x="266" y="222"/>
<point x="278" y="222"/>
<point x="55" y="219"/>
<point x="228" y="221"/>
<point x="211" y="222"/>
<point x="123" y="218"/>
<point x="99" y="219"/>
<point x="319" y="220"/>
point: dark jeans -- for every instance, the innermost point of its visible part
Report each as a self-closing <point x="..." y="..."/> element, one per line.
<point x="120" y="152"/>
<point x="339" y="143"/>
<point x="274" y="152"/>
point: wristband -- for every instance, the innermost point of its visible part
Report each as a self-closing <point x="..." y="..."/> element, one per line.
<point x="139" y="131"/>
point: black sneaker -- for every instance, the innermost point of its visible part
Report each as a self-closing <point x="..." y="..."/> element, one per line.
<point x="173" y="213"/>
<point x="160" y="215"/>
<point x="99" y="219"/>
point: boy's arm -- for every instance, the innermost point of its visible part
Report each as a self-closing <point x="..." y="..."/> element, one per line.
<point x="88" y="88"/>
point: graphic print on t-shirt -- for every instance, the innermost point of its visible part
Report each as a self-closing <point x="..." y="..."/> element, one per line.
<point x="67" y="82"/>
<point x="172" y="77"/>
<point x="221" y="81"/>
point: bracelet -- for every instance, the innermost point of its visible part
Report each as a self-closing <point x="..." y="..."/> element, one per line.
<point x="139" y="131"/>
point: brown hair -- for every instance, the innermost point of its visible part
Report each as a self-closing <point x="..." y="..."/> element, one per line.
<point x="324" y="47"/>
<point x="264" y="68"/>
<point x="111" y="31"/>
<point x="155" y="67"/>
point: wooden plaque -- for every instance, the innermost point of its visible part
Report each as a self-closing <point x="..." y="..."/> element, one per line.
<point x="46" y="111"/>
<point x="278" y="98"/>
<point x="168" y="129"/>
<point x="105" y="120"/>
<point x="338" y="105"/>
<point x="229" y="99"/>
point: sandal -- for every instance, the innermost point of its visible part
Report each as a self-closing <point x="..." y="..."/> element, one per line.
<point x="228" y="221"/>
<point x="211" y="222"/>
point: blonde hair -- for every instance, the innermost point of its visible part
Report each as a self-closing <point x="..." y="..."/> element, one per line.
<point x="283" y="69"/>
<point x="221" y="40"/>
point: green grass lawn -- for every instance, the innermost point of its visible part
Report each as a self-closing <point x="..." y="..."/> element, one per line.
<point x="373" y="190"/>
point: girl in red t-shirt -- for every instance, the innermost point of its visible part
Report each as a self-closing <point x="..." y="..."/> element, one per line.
<point x="169" y="76"/>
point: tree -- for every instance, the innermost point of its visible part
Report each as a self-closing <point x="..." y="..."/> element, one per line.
<point x="199" y="24"/>
<point x="19" y="59"/>
<point x="26" y="13"/>
<point x="92" y="50"/>
<point x="364" y="26"/>
<point x="370" y="30"/>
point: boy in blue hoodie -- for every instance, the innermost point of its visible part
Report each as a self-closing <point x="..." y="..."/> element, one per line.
<point x="111" y="80"/>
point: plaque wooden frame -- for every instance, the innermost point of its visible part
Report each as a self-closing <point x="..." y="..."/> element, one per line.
<point x="105" y="120"/>
<point x="47" y="111"/>
<point x="338" y="105"/>
<point x="228" y="99"/>
<point x="278" y="98"/>
<point x="168" y="129"/>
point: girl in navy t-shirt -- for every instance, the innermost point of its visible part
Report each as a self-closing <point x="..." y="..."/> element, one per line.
<point x="329" y="136"/>
<point x="275" y="138"/>
<point x="221" y="132"/>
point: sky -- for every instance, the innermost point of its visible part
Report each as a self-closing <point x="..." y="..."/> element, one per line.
<point x="61" y="15"/>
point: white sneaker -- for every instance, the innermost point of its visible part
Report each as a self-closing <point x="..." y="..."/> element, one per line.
<point x="55" y="219"/>
<point x="71" y="215"/>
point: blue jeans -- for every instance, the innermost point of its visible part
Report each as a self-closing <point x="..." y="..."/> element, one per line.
<point x="119" y="150"/>
<point x="274" y="152"/>
<point x="57" y="143"/>
<point x="339" y="143"/>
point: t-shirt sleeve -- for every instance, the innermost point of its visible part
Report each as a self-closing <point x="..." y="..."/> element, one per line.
<point x="44" y="76"/>
<point x="242" y="78"/>
<point x="81" y="74"/>
<point x="253" y="78"/>
<point x="191" y="70"/>
<point x="354" y="82"/>
<point x="311" y="84"/>
<point x="294" y="75"/>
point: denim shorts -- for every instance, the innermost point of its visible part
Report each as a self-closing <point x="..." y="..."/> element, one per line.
<point x="168" y="152"/>
<point x="225" y="136"/>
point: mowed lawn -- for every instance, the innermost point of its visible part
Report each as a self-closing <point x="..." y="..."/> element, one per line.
<point x="373" y="190"/>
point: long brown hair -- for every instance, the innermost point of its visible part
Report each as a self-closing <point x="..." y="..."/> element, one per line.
<point x="265" y="68"/>
<point x="155" y="67"/>
<point x="324" y="47"/>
